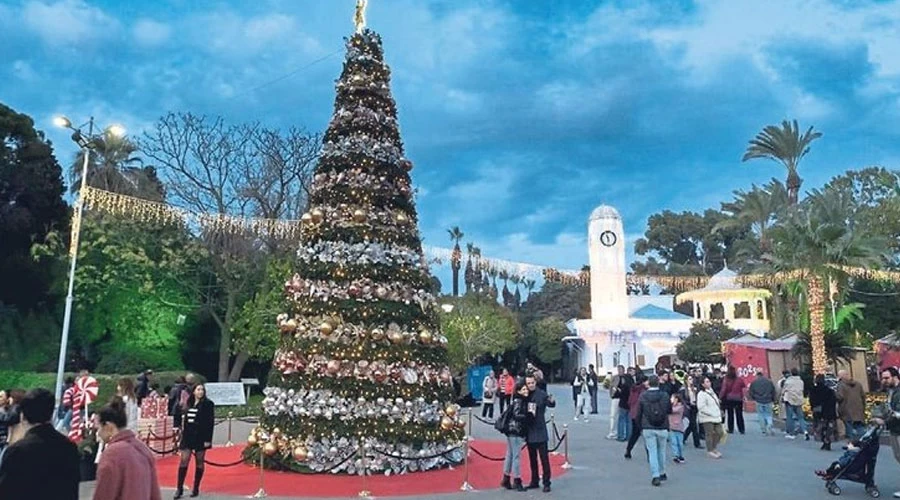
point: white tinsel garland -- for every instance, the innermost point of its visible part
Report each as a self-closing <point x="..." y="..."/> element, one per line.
<point x="364" y="253"/>
<point x="326" y="405"/>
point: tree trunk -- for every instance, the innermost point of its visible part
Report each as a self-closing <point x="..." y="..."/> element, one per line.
<point x="238" y="366"/>
<point x="225" y="337"/>
<point x="455" y="268"/>
<point x="816" y="301"/>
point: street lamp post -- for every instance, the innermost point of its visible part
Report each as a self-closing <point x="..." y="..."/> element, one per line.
<point x="85" y="142"/>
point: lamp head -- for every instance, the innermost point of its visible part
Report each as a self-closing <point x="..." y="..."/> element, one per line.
<point x="448" y="308"/>
<point x="116" y="130"/>
<point x="62" y="122"/>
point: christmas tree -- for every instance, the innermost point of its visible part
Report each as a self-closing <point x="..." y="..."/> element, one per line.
<point x="361" y="362"/>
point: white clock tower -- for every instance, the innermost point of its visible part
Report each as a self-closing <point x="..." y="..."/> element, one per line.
<point x="606" y="245"/>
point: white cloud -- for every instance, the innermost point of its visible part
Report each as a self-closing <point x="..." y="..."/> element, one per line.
<point x="227" y="34"/>
<point x="483" y="197"/>
<point x="150" y="33"/>
<point x="68" y="22"/>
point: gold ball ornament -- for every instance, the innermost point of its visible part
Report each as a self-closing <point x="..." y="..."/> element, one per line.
<point x="379" y="376"/>
<point x="425" y="337"/>
<point x="395" y="337"/>
<point x="290" y="325"/>
<point x="381" y="292"/>
<point x="251" y="440"/>
<point x="317" y="215"/>
<point x="359" y="216"/>
<point x="326" y="328"/>
<point x="306" y="218"/>
<point x="270" y="449"/>
<point x="276" y="432"/>
<point x="300" y="454"/>
<point x="446" y="423"/>
<point x="377" y="334"/>
<point x="402" y="218"/>
<point x="450" y="410"/>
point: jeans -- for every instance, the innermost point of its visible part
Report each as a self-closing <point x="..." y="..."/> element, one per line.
<point x="794" y="413"/>
<point x="676" y="438"/>
<point x="593" y="401"/>
<point x="535" y="449"/>
<point x="854" y="430"/>
<point x="503" y="401"/>
<point x="511" y="466"/>
<point x="764" y="414"/>
<point x="579" y="404"/>
<point x="623" y="430"/>
<point x="655" y="441"/>
<point x="613" y="418"/>
<point x="487" y="410"/>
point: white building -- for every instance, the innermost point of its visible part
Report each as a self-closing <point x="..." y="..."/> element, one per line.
<point x="723" y="298"/>
<point x="623" y="329"/>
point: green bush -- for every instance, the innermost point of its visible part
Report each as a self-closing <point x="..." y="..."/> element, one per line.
<point x="32" y="380"/>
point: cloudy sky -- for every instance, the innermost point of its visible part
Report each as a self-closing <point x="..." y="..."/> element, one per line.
<point x="520" y="115"/>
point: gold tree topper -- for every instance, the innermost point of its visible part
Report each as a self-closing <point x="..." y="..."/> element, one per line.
<point x="360" y="18"/>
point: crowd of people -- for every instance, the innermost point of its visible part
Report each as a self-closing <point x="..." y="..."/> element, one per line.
<point x="31" y="445"/>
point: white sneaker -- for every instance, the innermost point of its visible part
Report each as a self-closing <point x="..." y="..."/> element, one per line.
<point x="897" y="494"/>
<point x="611" y="436"/>
<point x="790" y="436"/>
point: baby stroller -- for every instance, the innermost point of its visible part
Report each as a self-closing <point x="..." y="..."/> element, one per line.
<point x="857" y="464"/>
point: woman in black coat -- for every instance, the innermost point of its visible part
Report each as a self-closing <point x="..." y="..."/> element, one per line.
<point x="515" y="429"/>
<point x="823" y="401"/>
<point x="196" y="437"/>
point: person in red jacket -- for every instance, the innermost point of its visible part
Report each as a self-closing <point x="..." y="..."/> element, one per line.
<point x="127" y="469"/>
<point x="732" y="397"/>
<point x="634" y="403"/>
<point x="506" y="387"/>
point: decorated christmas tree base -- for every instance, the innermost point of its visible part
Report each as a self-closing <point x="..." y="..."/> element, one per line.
<point x="360" y="380"/>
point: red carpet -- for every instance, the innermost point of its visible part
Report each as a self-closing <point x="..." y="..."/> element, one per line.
<point x="244" y="480"/>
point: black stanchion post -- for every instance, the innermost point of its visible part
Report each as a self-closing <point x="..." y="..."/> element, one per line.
<point x="565" y="436"/>
<point x="230" y="418"/>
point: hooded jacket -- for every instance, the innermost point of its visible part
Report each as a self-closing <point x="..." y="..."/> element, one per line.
<point x="852" y="401"/>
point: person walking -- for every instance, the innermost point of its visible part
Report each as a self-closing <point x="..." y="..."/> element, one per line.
<point x="689" y="395"/>
<point x="623" y="410"/>
<point x="792" y="397"/>
<point x="593" y="380"/>
<point x="851" y="405"/>
<point x="823" y="401"/>
<point x="615" y="382"/>
<point x="144" y="383"/>
<point x="732" y="395"/>
<point x="890" y="415"/>
<point x="634" y="400"/>
<point x="515" y="428"/>
<point x="762" y="393"/>
<point x="653" y="412"/>
<point x="538" y="402"/>
<point x="196" y="438"/>
<point x="676" y="426"/>
<point x="127" y="470"/>
<point x="43" y="465"/>
<point x="580" y="392"/>
<point x="709" y="414"/>
<point x="505" y="388"/>
<point x="488" y="390"/>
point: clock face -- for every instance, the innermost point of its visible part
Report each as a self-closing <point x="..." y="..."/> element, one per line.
<point x="608" y="238"/>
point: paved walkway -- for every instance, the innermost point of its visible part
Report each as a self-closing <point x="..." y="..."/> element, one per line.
<point x="754" y="467"/>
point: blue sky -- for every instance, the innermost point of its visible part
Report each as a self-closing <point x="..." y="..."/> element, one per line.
<point x="520" y="116"/>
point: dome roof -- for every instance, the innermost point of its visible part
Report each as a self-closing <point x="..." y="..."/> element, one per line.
<point x="726" y="279"/>
<point x="605" y="212"/>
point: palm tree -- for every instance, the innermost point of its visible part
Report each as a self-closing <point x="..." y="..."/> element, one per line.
<point x="113" y="166"/>
<point x="786" y="146"/>
<point x="758" y="208"/>
<point x="818" y="239"/>
<point x="517" y="296"/>
<point x="529" y="285"/>
<point x="837" y="347"/>
<point x="456" y="257"/>
<point x="469" y="275"/>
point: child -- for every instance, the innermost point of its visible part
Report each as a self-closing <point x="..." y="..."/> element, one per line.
<point x="676" y="428"/>
<point x="847" y="457"/>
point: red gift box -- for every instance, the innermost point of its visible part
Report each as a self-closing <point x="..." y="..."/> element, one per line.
<point x="154" y="407"/>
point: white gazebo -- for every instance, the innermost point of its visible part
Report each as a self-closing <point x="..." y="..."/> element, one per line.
<point x="723" y="298"/>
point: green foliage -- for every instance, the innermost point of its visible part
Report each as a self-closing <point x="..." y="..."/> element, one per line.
<point x="255" y="330"/>
<point x="704" y="344"/>
<point x="478" y="326"/>
<point x="837" y="346"/>
<point x="785" y="145"/>
<point x="545" y="336"/>
<point x="124" y="358"/>
<point x="556" y="301"/>
<point x="30" y="339"/>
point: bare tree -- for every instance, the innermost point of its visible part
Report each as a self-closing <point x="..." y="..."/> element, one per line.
<point x="244" y="170"/>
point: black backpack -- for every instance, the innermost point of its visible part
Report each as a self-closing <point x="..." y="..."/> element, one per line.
<point x="656" y="410"/>
<point x="502" y="422"/>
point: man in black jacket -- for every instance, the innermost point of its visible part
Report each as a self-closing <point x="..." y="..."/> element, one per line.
<point x="653" y="414"/>
<point x="537" y="438"/>
<point x="41" y="455"/>
<point x="593" y="380"/>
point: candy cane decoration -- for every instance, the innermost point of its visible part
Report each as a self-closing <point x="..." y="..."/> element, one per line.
<point x="85" y="392"/>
